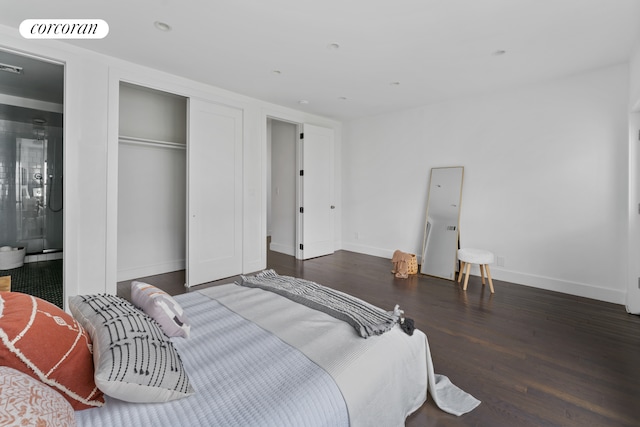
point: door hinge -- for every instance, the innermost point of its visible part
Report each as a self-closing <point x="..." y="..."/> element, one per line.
<point x="302" y="135"/>
<point x="301" y="172"/>
<point x="301" y="209"/>
<point x="301" y="247"/>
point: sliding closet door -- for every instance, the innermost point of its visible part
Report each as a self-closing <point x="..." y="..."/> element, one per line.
<point x="214" y="192"/>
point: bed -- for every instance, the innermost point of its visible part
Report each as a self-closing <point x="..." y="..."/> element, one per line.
<point x="257" y="358"/>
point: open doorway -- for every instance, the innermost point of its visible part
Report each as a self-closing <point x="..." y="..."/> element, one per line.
<point x="281" y="186"/>
<point x="300" y="199"/>
<point x="31" y="175"/>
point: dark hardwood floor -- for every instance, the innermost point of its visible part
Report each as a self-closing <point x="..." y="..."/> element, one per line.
<point x="533" y="357"/>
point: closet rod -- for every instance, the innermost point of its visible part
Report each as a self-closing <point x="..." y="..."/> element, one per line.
<point x="151" y="142"/>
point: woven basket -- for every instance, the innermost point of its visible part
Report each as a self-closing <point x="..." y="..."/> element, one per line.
<point x="413" y="265"/>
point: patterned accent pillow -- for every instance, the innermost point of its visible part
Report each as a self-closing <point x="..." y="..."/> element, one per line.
<point x="44" y="342"/>
<point x="134" y="360"/>
<point x="28" y="402"/>
<point x="162" y="307"/>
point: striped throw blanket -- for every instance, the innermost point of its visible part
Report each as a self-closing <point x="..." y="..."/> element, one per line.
<point x="367" y="319"/>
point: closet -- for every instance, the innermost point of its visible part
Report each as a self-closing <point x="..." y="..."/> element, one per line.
<point x="179" y="186"/>
<point x="151" y="182"/>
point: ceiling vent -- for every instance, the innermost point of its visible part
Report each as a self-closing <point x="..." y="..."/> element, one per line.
<point x="10" y="68"/>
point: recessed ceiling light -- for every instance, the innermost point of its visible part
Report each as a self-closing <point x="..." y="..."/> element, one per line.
<point x="162" y="26"/>
<point x="303" y="102"/>
<point x="333" y="46"/>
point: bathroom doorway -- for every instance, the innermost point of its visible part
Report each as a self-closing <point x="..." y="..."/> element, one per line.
<point x="31" y="174"/>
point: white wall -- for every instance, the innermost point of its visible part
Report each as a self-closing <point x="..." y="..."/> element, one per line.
<point x="545" y="182"/>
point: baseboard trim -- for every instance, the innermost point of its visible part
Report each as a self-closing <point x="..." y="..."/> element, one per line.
<point x="283" y="249"/>
<point x="368" y="250"/>
<point x="559" y="285"/>
<point x="150" y="270"/>
<point x="535" y="281"/>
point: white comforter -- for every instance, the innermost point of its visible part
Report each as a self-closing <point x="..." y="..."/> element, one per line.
<point x="383" y="378"/>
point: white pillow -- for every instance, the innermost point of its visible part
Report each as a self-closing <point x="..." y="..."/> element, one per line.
<point x="134" y="360"/>
<point x="162" y="307"/>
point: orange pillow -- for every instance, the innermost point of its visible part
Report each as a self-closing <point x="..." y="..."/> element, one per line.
<point x="41" y="340"/>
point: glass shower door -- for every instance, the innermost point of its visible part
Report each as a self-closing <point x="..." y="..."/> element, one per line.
<point x="38" y="195"/>
<point x="30" y="193"/>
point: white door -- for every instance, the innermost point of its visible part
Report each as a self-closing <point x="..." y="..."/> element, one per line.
<point x="214" y="192"/>
<point x="317" y="205"/>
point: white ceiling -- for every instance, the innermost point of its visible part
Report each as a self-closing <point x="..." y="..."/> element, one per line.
<point x="435" y="49"/>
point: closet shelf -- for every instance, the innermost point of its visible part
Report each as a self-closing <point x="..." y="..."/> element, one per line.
<point x="151" y="142"/>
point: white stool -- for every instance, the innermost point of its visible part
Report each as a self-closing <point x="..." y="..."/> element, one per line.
<point x="468" y="256"/>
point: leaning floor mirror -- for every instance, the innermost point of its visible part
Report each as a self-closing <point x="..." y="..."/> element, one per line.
<point x="442" y="223"/>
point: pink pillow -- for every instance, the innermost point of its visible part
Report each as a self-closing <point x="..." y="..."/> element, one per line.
<point x="42" y="341"/>
<point x="162" y="308"/>
<point x="28" y="402"/>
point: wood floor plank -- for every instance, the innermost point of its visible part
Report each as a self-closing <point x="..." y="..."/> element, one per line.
<point x="533" y="357"/>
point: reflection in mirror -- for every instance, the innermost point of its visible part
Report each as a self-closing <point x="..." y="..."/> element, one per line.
<point x="440" y="244"/>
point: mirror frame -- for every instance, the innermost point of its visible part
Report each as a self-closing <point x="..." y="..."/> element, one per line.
<point x="426" y="231"/>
